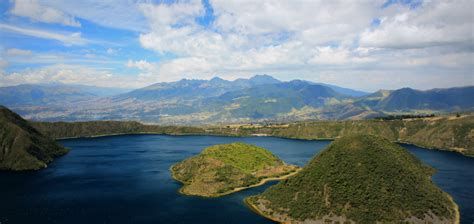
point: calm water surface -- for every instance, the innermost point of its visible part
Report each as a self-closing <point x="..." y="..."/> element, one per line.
<point x="125" y="179"/>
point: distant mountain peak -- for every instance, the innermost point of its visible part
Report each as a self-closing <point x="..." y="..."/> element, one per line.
<point x="263" y="79"/>
<point x="217" y="80"/>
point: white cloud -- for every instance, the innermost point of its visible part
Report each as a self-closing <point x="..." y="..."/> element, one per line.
<point x="70" y="74"/>
<point x="246" y="36"/>
<point x="337" y="56"/>
<point x="65" y="38"/>
<point x="35" y="11"/>
<point x="112" y="51"/>
<point x="18" y="52"/>
<point x="309" y="21"/>
<point x="323" y="41"/>
<point x="309" y="37"/>
<point x="141" y="64"/>
<point x="119" y="14"/>
<point x="162" y="16"/>
<point x="435" y="23"/>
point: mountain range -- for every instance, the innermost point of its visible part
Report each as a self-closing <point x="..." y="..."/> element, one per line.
<point x="259" y="98"/>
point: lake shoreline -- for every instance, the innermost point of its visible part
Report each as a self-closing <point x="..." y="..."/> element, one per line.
<point x="262" y="182"/>
<point x="458" y="150"/>
<point x="254" y="208"/>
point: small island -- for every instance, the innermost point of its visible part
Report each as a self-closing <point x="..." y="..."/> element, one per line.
<point x="358" y="179"/>
<point x="223" y="169"/>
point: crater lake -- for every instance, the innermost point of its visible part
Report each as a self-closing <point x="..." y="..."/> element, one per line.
<point x="126" y="179"/>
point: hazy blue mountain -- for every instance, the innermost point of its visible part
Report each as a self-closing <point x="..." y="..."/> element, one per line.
<point x="102" y="91"/>
<point x="42" y="95"/>
<point x="51" y="94"/>
<point x="257" y="80"/>
<point x="266" y="101"/>
<point x="189" y="90"/>
<point x="345" y="91"/>
<point x="452" y="99"/>
<point x="259" y="98"/>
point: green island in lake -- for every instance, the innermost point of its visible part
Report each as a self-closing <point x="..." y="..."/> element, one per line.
<point x="358" y="179"/>
<point x="223" y="169"/>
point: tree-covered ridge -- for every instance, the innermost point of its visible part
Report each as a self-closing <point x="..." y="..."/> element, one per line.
<point x="360" y="178"/>
<point x="444" y="132"/>
<point x="22" y="147"/>
<point x="223" y="169"/>
<point x="60" y="130"/>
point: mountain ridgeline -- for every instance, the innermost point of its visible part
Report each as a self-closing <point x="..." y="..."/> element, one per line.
<point x="22" y="147"/>
<point x="451" y="133"/>
<point x="359" y="179"/>
<point x="257" y="99"/>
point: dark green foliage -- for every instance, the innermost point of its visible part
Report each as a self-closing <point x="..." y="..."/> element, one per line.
<point x="403" y="116"/>
<point x="363" y="177"/>
<point x="95" y="128"/>
<point x="221" y="168"/>
<point x="247" y="158"/>
<point x="22" y="147"/>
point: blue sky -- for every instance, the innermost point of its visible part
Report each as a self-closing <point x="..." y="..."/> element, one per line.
<point x="365" y="45"/>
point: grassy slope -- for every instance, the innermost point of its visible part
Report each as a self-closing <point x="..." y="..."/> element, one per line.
<point x="220" y="169"/>
<point x="22" y="146"/>
<point x="362" y="177"/>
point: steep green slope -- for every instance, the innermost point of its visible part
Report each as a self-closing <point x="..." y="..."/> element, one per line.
<point x="223" y="169"/>
<point x="362" y="179"/>
<point x="22" y="146"/>
<point x="98" y="128"/>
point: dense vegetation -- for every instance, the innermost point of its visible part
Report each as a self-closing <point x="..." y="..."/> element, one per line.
<point x="245" y="157"/>
<point x="97" y="128"/>
<point x="363" y="178"/>
<point x="220" y="169"/>
<point x="22" y="147"/>
<point x="403" y="116"/>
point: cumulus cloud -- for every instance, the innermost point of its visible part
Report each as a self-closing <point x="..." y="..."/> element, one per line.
<point x="308" y="37"/>
<point x="435" y="23"/>
<point x="251" y="37"/>
<point x="33" y="10"/>
<point x="360" y="44"/>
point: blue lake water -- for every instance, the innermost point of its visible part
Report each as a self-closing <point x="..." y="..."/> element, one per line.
<point x="125" y="179"/>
